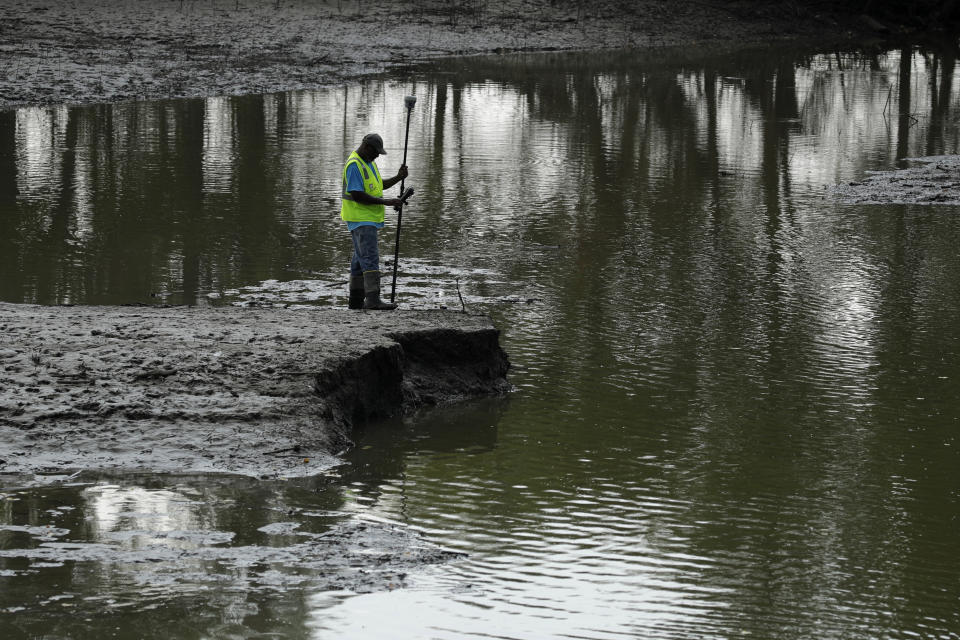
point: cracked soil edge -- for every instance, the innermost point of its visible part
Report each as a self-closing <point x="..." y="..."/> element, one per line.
<point x="265" y="393"/>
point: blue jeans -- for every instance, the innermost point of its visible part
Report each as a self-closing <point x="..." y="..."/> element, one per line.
<point x="366" y="256"/>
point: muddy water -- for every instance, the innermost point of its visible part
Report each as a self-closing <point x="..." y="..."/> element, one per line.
<point x="736" y="409"/>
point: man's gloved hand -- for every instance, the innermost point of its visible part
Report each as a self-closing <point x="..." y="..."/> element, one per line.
<point x="403" y="198"/>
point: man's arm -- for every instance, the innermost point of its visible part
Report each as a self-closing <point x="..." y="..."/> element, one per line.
<point x="401" y="174"/>
<point x="365" y="198"/>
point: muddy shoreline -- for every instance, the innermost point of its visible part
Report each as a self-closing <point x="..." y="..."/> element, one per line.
<point x="262" y="393"/>
<point x="84" y="51"/>
<point x="931" y="180"/>
<point x="168" y="445"/>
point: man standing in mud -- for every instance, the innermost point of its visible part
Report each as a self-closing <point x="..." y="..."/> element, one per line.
<point x="362" y="206"/>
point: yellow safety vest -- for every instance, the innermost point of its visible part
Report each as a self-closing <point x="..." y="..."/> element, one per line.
<point x="350" y="209"/>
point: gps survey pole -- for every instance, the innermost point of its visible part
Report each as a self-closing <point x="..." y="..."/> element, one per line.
<point x="409" y="101"/>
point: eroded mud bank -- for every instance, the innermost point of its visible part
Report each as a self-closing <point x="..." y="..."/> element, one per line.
<point x="255" y="392"/>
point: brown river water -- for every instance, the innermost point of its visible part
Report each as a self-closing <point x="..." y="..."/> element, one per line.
<point x="736" y="409"/>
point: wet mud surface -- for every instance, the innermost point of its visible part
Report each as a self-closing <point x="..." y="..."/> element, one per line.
<point x="155" y="460"/>
<point x="229" y="554"/>
<point x="929" y="180"/>
<point x="85" y="51"/>
<point x="263" y="393"/>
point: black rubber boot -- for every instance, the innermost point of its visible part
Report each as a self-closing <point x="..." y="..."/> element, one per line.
<point x="371" y="287"/>
<point x="356" y="292"/>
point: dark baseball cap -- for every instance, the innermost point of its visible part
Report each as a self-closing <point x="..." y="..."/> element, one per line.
<point x="375" y="141"/>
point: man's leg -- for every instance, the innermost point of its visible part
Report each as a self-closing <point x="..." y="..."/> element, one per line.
<point x="356" y="278"/>
<point x="368" y="254"/>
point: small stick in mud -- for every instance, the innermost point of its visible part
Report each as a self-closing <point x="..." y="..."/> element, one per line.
<point x="295" y="449"/>
<point x="463" y="305"/>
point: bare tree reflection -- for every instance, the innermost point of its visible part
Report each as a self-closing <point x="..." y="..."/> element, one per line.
<point x="905" y="119"/>
<point x="10" y="241"/>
